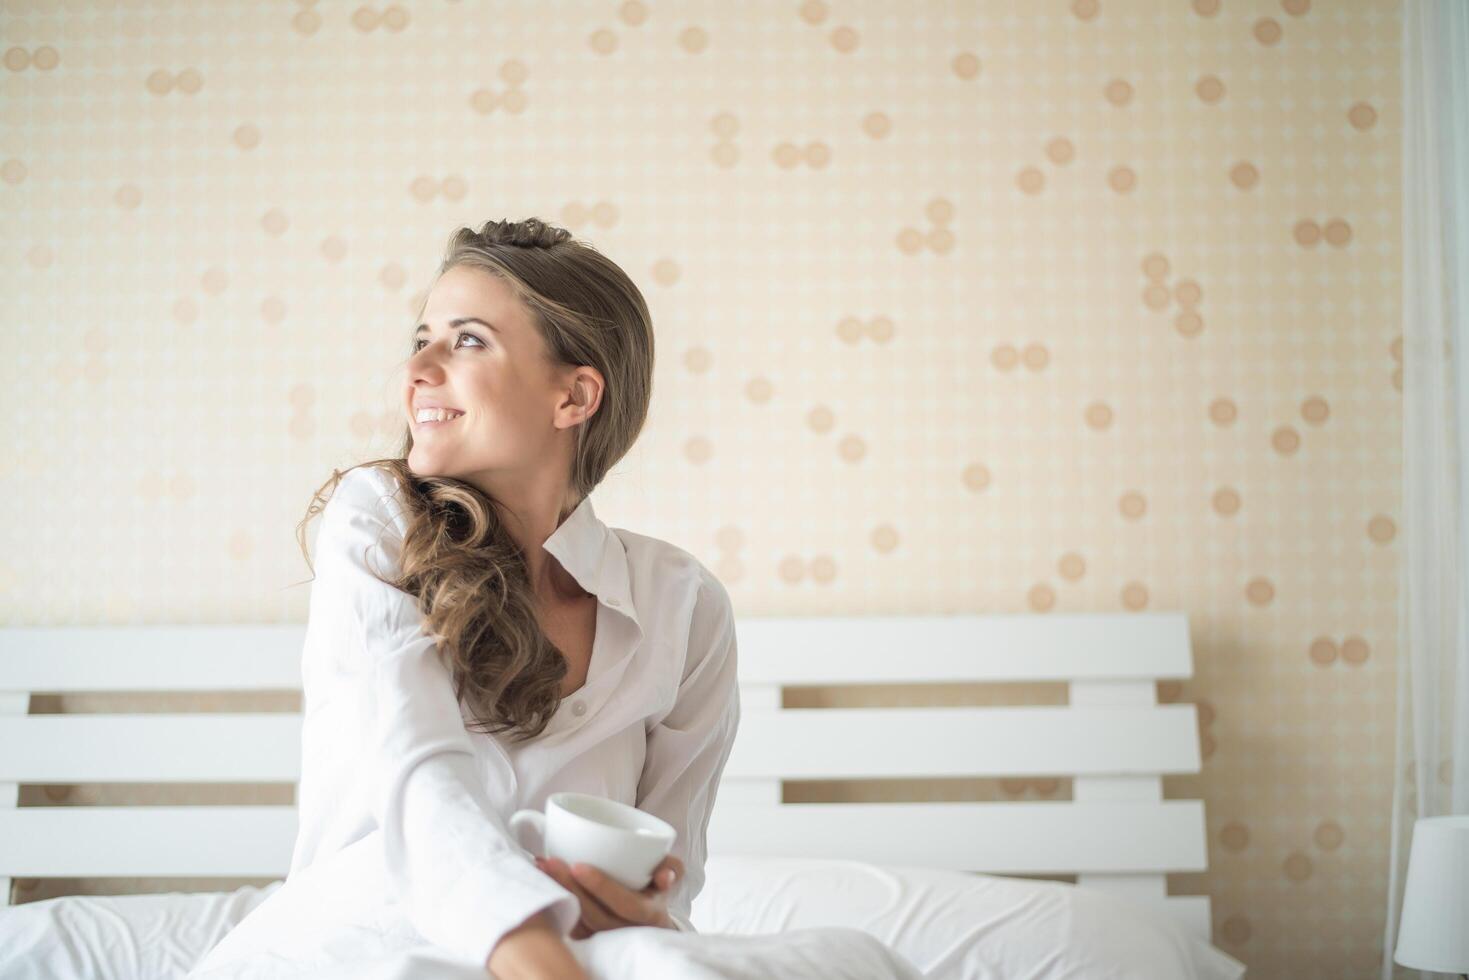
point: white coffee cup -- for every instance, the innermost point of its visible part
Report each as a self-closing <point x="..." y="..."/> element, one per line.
<point x="622" y="841"/>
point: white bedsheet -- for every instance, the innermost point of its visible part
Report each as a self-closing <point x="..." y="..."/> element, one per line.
<point x="804" y="954"/>
<point x="331" y="920"/>
<point x="950" y="925"/>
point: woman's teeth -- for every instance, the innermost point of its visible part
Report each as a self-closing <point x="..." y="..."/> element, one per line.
<point x="438" y="415"/>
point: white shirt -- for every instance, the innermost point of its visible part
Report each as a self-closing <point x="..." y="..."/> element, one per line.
<point x="384" y="744"/>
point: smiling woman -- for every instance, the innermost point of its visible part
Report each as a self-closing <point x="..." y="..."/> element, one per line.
<point x="529" y="376"/>
<point x="545" y="349"/>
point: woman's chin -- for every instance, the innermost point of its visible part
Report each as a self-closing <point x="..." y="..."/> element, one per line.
<point x="422" y="465"/>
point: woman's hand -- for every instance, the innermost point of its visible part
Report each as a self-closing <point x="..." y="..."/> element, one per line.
<point x="534" y="950"/>
<point x="608" y="904"/>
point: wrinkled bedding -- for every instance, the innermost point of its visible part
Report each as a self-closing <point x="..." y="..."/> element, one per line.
<point x="332" y="920"/>
<point x="804" y="954"/>
<point x="950" y="925"/>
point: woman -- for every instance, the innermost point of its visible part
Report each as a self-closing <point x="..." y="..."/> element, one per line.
<point x="478" y="639"/>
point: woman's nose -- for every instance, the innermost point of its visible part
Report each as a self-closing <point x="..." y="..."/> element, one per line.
<point x="423" y="365"/>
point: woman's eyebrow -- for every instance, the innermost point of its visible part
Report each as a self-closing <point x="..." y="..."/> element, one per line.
<point x="458" y="322"/>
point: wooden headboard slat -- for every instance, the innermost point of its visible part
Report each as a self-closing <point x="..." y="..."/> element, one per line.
<point x="1001" y="838"/>
<point x="778" y="650"/>
<point x="836" y="743"/>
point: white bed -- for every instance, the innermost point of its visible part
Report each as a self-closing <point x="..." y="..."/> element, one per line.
<point x="940" y="882"/>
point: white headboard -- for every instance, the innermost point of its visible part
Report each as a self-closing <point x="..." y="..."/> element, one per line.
<point x="1117" y="832"/>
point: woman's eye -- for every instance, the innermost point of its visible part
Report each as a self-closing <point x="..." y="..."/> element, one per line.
<point x="420" y="341"/>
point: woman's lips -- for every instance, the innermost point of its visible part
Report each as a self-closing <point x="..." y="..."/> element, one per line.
<point x="431" y="424"/>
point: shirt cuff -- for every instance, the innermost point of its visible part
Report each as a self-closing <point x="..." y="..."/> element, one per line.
<point x="680" y="923"/>
<point x="482" y="908"/>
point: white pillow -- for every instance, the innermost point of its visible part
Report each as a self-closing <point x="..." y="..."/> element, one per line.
<point x="951" y="925"/>
<point x="119" y="937"/>
<point x="956" y="925"/>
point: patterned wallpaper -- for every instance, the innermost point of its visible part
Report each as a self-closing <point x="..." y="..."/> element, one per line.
<point x="1024" y="305"/>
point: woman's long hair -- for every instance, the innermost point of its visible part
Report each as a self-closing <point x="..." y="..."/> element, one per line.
<point x="467" y="573"/>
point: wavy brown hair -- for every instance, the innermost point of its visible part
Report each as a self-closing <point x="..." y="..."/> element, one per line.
<point x="467" y="574"/>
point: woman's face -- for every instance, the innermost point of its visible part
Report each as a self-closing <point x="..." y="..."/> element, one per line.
<point x="478" y="352"/>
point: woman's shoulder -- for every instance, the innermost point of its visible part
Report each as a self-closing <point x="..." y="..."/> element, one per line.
<point x="363" y="501"/>
<point x="368" y="478"/>
<point x="659" y="564"/>
<point x="655" y="556"/>
<point x="369" y="488"/>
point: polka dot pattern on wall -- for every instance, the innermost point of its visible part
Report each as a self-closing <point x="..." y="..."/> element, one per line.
<point x="1244" y="175"/>
<point x="938" y="239"/>
<point x="1041" y="598"/>
<point x="976" y="477"/>
<point x="392" y="18"/>
<point x="1235" y="836"/>
<point x="246" y="136"/>
<point x="306" y="21"/>
<point x="1210" y="89"/>
<point x="725" y="153"/>
<point x="1236" y="930"/>
<point x="698" y="449"/>
<point x="274" y="222"/>
<point x="1267" y="31"/>
<point x="1260" y="591"/>
<point x="815" y="154"/>
<point x="1362" y="116"/>
<point x="1297" y="866"/>
<point x="1308" y="233"/>
<point x="1098" y="415"/>
<point x="333" y="248"/>
<point x="819" y="569"/>
<point x="1382" y="529"/>
<point x="44" y="58"/>
<point x="759" y="390"/>
<point x="511" y="97"/>
<point x="425" y="188"/>
<point x="852" y="331"/>
<point x="1185" y="295"/>
<point x="187" y="81"/>
<point x="1134" y="596"/>
<point x="698" y="360"/>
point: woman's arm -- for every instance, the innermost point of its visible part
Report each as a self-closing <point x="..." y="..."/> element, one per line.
<point x="463" y="880"/>
<point x="534" y="950"/>
<point x="688" y="748"/>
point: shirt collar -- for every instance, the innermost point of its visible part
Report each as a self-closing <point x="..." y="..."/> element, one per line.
<point x="594" y="556"/>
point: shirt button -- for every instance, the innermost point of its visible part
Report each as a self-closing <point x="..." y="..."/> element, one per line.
<point x="579" y="708"/>
<point x="613" y="602"/>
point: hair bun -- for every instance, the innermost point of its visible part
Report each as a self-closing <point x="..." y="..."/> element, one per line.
<point x="530" y="233"/>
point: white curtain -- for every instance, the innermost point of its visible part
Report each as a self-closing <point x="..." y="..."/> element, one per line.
<point x="1432" y="768"/>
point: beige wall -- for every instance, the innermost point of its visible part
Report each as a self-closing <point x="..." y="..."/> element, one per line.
<point x="1023" y="306"/>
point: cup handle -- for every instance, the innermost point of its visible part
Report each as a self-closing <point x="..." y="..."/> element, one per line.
<point x="533" y="818"/>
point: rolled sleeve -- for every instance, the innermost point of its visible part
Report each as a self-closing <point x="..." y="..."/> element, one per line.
<point x="688" y="748"/>
<point x="463" y="880"/>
